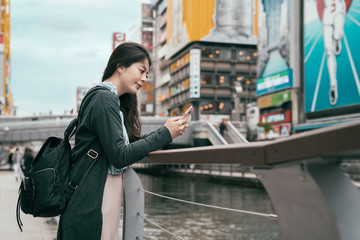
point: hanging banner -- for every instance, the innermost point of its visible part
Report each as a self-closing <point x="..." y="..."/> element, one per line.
<point x="195" y="73"/>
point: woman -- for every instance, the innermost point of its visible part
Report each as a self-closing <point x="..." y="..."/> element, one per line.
<point x="17" y="158"/>
<point x="28" y="158"/>
<point x="110" y="115"/>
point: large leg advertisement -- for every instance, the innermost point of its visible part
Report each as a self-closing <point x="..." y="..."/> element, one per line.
<point x="274" y="31"/>
<point x="331" y="54"/>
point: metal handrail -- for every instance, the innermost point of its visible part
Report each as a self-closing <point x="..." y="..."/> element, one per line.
<point x="300" y="171"/>
<point x="235" y="133"/>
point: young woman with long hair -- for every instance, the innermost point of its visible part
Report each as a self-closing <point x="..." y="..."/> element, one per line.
<point x="109" y="117"/>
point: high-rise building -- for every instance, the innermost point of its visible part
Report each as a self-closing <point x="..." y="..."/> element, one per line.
<point x="6" y="101"/>
<point x="205" y="55"/>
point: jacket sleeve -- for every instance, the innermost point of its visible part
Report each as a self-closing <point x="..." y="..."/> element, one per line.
<point x="108" y="127"/>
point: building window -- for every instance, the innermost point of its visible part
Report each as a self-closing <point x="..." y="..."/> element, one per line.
<point x="206" y="79"/>
<point x="209" y="107"/>
<point x="241" y="55"/>
<point x="207" y="53"/>
<point x="225" y="54"/>
<point x="222" y="80"/>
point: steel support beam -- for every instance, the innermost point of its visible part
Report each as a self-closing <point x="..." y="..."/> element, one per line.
<point x="313" y="200"/>
<point x="133" y="206"/>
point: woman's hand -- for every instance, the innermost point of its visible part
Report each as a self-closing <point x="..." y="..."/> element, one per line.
<point x="177" y="126"/>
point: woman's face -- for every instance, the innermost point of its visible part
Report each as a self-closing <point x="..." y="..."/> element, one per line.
<point x="133" y="77"/>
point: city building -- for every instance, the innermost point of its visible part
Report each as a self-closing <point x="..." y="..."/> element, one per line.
<point x="6" y="101"/>
<point x="205" y="55"/>
<point x="143" y="34"/>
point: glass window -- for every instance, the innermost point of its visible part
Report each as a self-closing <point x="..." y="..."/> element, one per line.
<point x="224" y="107"/>
<point x="217" y="53"/>
<point x="206" y="79"/>
<point x="241" y="55"/>
<point x="207" y="53"/>
<point x="207" y="107"/>
<point x="225" y="54"/>
<point x="222" y="80"/>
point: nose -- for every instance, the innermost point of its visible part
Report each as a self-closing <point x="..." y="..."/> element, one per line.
<point x="144" y="77"/>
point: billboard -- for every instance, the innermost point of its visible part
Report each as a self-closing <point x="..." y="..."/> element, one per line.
<point x="277" y="117"/>
<point x="275" y="82"/>
<point x="331" y="54"/>
<point x="274" y="36"/>
<point x="228" y="21"/>
<point x="272" y="100"/>
<point x="146" y="11"/>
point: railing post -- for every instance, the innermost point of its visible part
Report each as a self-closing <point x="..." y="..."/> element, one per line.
<point x="133" y="206"/>
<point x="313" y="200"/>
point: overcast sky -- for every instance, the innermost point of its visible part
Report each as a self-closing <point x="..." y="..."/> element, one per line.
<point x="59" y="45"/>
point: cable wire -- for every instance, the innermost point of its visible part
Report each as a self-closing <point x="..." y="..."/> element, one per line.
<point x="271" y="216"/>
<point x="157" y="225"/>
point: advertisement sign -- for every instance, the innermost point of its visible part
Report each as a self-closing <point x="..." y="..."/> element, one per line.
<point x="276" y="118"/>
<point x="146" y="10"/>
<point x="275" y="99"/>
<point x="278" y="131"/>
<point x="147" y="36"/>
<point x="118" y="38"/>
<point x="331" y="54"/>
<point x="274" y="36"/>
<point x="282" y="130"/>
<point x="148" y="45"/>
<point x="195" y="73"/>
<point x="228" y="21"/>
<point x="274" y="82"/>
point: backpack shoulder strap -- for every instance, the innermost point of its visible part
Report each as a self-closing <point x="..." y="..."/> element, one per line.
<point x="91" y="155"/>
<point x="71" y="128"/>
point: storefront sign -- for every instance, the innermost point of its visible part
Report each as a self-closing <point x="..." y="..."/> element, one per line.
<point x="275" y="118"/>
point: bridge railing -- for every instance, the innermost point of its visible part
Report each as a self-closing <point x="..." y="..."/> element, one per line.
<point x="312" y="197"/>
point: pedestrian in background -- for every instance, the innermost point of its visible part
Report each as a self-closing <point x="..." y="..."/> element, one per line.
<point x="17" y="158"/>
<point x="222" y="127"/>
<point x="110" y="114"/>
<point x="28" y="158"/>
<point x="10" y="158"/>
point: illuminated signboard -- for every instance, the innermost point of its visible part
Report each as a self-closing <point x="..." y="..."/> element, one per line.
<point x="275" y="99"/>
<point x="278" y="117"/>
<point x="273" y="83"/>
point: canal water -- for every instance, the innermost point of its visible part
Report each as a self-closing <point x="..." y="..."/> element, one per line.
<point x="196" y="222"/>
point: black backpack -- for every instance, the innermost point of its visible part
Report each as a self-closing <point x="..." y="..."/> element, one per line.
<point x="47" y="187"/>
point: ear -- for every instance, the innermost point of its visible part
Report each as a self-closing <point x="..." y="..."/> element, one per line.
<point x="119" y="69"/>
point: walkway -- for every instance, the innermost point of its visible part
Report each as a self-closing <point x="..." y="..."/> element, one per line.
<point x="33" y="229"/>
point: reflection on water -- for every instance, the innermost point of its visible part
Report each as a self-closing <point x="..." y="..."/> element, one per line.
<point x="196" y="222"/>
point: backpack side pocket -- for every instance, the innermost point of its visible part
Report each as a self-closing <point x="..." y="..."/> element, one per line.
<point x="26" y="195"/>
<point x="48" y="194"/>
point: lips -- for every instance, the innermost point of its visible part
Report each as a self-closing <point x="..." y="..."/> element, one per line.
<point x="138" y="86"/>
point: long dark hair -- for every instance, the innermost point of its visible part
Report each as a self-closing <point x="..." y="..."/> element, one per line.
<point x="125" y="55"/>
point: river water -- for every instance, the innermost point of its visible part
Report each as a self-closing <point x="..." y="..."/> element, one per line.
<point x="196" y="222"/>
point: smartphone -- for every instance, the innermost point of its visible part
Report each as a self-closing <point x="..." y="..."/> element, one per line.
<point x="187" y="113"/>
